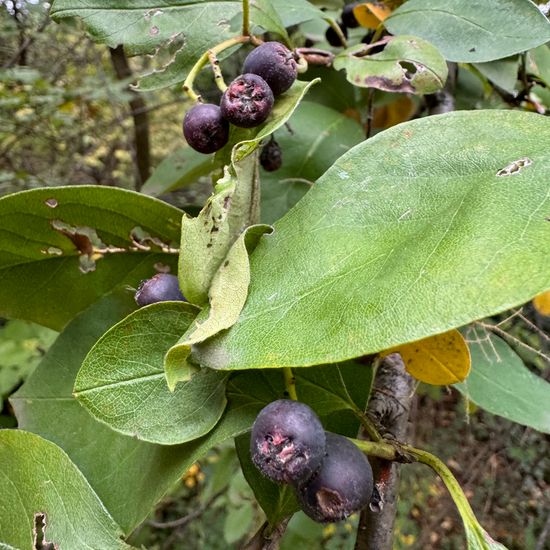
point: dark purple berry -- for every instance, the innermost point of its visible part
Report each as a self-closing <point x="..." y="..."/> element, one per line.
<point x="288" y="441"/>
<point x="162" y="287"/>
<point x="348" y="17"/>
<point x="342" y="485"/>
<point x="275" y="63"/>
<point x="247" y="101"/>
<point x="333" y="39"/>
<point x="205" y="129"/>
<point x="271" y="157"/>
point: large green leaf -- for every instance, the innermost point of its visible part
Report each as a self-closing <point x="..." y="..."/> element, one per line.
<point x="500" y="383"/>
<point x="40" y="486"/>
<point x="122" y="383"/>
<point x="315" y="138"/>
<point x="61" y="248"/>
<point x="121" y="469"/>
<point x="423" y="228"/>
<point x="471" y="31"/>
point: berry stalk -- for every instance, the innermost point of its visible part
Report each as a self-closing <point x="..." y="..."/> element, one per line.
<point x="290" y="383"/>
<point x="204" y="59"/>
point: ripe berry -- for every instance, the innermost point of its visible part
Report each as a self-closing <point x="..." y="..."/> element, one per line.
<point x="271" y="157"/>
<point x="342" y="485"/>
<point x="348" y="17"/>
<point x="205" y="129"/>
<point x="247" y="101"/>
<point x="333" y="39"/>
<point x="275" y="63"/>
<point x="288" y="441"/>
<point x="160" y="288"/>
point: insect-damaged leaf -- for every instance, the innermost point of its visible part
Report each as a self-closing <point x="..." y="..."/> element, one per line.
<point x="42" y="490"/>
<point x="406" y="64"/>
<point x="441" y="359"/>
<point x="62" y="248"/>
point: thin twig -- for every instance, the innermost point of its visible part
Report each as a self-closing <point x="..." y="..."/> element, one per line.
<point x="181" y="522"/>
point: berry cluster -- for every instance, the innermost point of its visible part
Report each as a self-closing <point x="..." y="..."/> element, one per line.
<point x="268" y="71"/>
<point x="347" y="21"/>
<point x="331" y="476"/>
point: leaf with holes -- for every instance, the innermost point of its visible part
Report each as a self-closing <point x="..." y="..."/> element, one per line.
<point x="62" y="248"/>
<point x="45" y="498"/>
<point x="408" y="234"/>
<point x="406" y="64"/>
<point x="470" y="31"/>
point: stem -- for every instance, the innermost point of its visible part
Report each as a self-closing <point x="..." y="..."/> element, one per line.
<point x="387" y="451"/>
<point x="204" y="59"/>
<point x="338" y="31"/>
<point x="290" y="383"/>
<point x="218" y="76"/>
<point x="464" y="508"/>
<point x="246" y="18"/>
<point x="368" y="425"/>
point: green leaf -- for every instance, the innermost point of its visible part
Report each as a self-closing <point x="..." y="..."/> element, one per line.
<point x="132" y="470"/>
<point x="190" y="28"/>
<point x="407" y="64"/>
<point x="181" y="168"/>
<point x="246" y="141"/>
<point x="122" y="383"/>
<point x="538" y="63"/>
<point x="470" y="31"/>
<point x="226" y="297"/>
<point x="277" y="501"/>
<point x="62" y="248"/>
<point x="427" y="216"/>
<point x="39" y="479"/>
<point x="502" y="72"/>
<point x="500" y="383"/>
<point x="144" y="25"/>
<point x="206" y="239"/>
<point x="238" y="522"/>
<point x="315" y="138"/>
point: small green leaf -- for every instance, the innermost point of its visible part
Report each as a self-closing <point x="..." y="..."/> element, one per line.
<point x="277" y="501"/>
<point x="500" y="383"/>
<point x="206" y="239"/>
<point x="238" y="522"/>
<point x="181" y="168"/>
<point x="62" y="248"/>
<point x="122" y="383"/>
<point x="538" y="63"/>
<point x="407" y="64"/>
<point x="470" y="31"/>
<point x="41" y="486"/>
<point x="401" y="224"/>
<point x="226" y="297"/>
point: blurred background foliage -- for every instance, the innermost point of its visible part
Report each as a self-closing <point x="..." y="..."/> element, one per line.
<point x="67" y="117"/>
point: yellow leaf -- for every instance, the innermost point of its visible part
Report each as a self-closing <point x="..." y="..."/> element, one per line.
<point x="371" y="14"/>
<point x="439" y="360"/>
<point x="542" y="303"/>
<point x="393" y="113"/>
